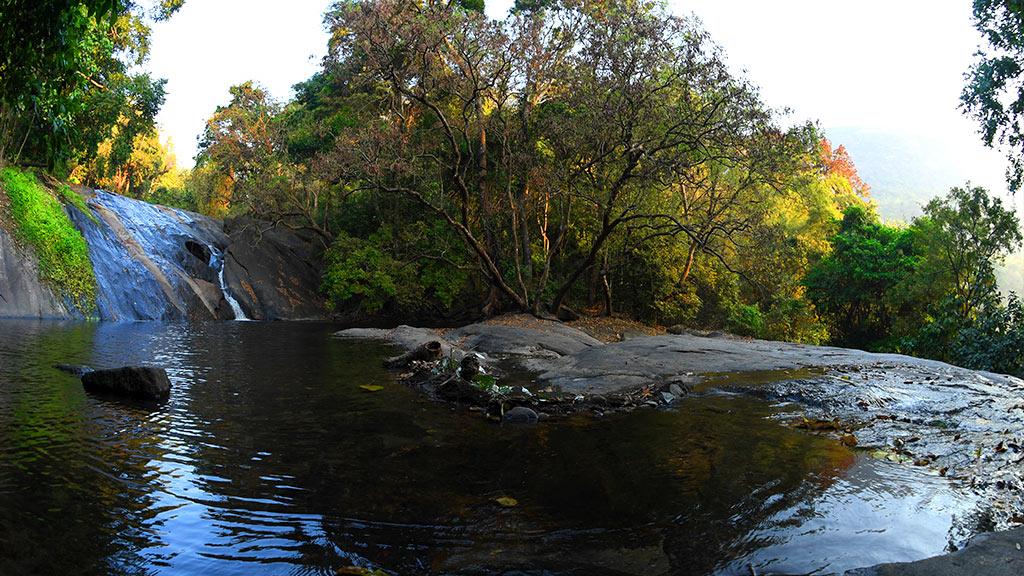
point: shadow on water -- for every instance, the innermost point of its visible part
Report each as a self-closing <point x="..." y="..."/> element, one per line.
<point x="269" y="458"/>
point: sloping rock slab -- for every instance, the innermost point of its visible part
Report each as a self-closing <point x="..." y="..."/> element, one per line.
<point x="552" y="340"/>
<point x="405" y="337"/>
<point x="683" y="357"/>
<point x="993" y="554"/>
<point x="135" y="382"/>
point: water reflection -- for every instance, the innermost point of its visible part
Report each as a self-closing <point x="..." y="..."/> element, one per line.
<point x="270" y="459"/>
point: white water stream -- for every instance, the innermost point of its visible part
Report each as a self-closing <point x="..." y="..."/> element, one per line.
<point x="235" y="307"/>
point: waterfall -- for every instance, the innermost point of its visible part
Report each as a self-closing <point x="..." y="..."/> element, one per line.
<point x="235" y="307"/>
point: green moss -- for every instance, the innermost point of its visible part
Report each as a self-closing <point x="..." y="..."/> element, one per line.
<point x="75" y="200"/>
<point x="41" y="222"/>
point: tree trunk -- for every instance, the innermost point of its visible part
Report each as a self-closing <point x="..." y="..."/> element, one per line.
<point x="689" y="263"/>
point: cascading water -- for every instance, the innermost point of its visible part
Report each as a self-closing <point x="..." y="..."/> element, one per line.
<point x="236" y="309"/>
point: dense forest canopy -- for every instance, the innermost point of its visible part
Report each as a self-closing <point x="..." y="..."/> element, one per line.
<point x="592" y="156"/>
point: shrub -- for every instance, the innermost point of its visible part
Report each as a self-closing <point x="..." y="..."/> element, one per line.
<point x="746" y="320"/>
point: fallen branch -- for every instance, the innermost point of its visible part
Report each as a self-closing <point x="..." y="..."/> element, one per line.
<point x="426" y="352"/>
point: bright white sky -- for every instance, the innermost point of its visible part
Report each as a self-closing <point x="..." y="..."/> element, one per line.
<point x="211" y="45"/>
<point x="871" y="64"/>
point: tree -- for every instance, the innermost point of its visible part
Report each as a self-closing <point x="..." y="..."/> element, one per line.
<point x="243" y="145"/>
<point x="552" y="131"/>
<point x="150" y="162"/>
<point x="861" y="284"/>
<point x="994" y="94"/>
<point x="68" y="74"/>
<point x="968" y="233"/>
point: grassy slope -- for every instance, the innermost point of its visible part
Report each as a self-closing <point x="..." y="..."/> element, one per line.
<point x="40" y="222"/>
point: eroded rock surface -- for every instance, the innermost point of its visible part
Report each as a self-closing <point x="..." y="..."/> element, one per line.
<point x="554" y="340"/>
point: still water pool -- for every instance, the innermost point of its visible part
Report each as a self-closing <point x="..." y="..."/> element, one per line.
<point x="270" y="459"/>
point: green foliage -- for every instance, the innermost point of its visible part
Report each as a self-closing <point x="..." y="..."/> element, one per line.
<point x="41" y="223"/>
<point x="994" y="339"/>
<point x="77" y="201"/>
<point x="746" y="320"/>
<point x="928" y="289"/>
<point x="473" y="5"/>
<point x="993" y="94"/>
<point x="794" y="319"/>
<point x="968" y="233"/>
<point x="860" y="285"/>
<point x="70" y="70"/>
<point x="365" y="274"/>
<point x="358" y="271"/>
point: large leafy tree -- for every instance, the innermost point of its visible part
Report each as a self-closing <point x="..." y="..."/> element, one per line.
<point x="969" y="232"/>
<point x="540" y="138"/>
<point x="68" y="74"/>
<point x="862" y="284"/>
<point x="994" y="94"/>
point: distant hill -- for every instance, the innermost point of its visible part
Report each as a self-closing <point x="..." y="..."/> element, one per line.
<point x="905" y="171"/>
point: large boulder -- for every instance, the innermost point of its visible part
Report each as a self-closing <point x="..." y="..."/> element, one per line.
<point x="539" y="338"/>
<point x="136" y="382"/>
<point x="272" y="271"/>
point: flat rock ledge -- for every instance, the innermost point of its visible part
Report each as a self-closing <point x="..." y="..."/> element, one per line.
<point x="965" y="425"/>
<point x="991" y="554"/>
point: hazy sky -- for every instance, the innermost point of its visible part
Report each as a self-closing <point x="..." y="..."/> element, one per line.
<point x="211" y="45"/>
<point x="871" y="64"/>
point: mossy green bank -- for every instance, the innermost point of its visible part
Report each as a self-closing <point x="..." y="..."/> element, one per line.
<point x="40" y="221"/>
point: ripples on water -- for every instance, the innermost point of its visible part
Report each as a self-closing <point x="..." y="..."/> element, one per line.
<point x="270" y="459"/>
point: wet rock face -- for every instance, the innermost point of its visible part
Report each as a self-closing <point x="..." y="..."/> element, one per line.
<point x="157" y="263"/>
<point x="273" y="272"/>
<point x="145" y="259"/>
<point x="22" y="294"/>
<point x="197" y="260"/>
<point x="135" y="382"/>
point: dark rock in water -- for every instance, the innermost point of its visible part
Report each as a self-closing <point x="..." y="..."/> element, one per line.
<point x="138" y="382"/>
<point x="273" y="271"/>
<point x="459" y="390"/>
<point x="73" y="369"/>
<point x="520" y="415"/>
<point x="469" y="367"/>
